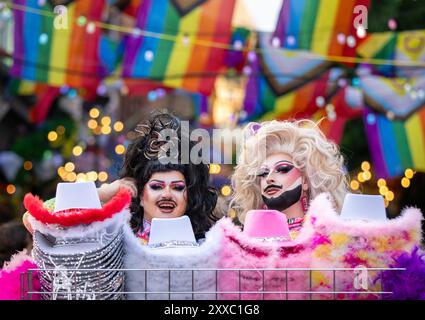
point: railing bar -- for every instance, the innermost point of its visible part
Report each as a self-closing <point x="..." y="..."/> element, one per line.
<point x="287" y="285"/>
<point x="146" y="283"/>
<point x="334" y="282"/>
<point x="264" y="289"/>
<point x="311" y="284"/>
<point x="193" y="285"/>
<point x="240" y="294"/>
<point x="216" y="284"/>
<point x="22" y="280"/>
<point x="212" y="292"/>
<point x="226" y="269"/>
<point x="29" y="283"/>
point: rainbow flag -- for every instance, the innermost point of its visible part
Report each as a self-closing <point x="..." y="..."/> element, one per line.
<point x="179" y="62"/>
<point x="58" y="57"/>
<point x="237" y="58"/>
<point x="314" y="25"/>
<point x="396" y="145"/>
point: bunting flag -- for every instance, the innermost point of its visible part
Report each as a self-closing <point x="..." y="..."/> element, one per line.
<point x="396" y="145"/>
<point x="299" y="103"/>
<point x="57" y="56"/>
<point x="174" y="57"/>
<point x="389" y="95"/>
<point x="406" y="46"/>
<point x="286" y="70"/>
<point x="380" y="45"/>
<point x="284" y="82"/>
<point x="314" y="25"/>
<point x="411" y="47"/>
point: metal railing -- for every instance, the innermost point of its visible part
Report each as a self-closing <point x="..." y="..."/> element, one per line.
<point x="27" y="290"/>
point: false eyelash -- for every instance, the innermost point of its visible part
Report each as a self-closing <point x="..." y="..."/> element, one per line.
<point x="179" y="188"/>
<point x="155" y="187"/>
<point x="262" y="174"/>
<point x="284" y="169"/>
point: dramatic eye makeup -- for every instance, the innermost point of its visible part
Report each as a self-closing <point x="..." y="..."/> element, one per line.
<point x="284" y="167"/>
<point x="280" y="167"/>
<point x="159" y="185"/>
<point x="178" y="186"/>
<point x="156" y="185"/>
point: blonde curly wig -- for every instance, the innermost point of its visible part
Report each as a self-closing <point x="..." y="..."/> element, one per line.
<point x="319" y="160"/>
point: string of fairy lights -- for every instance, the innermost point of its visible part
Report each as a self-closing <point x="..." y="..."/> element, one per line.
<point x="186" y="38"/>
<point x="102" y="125"/>
<point x="98" y="125"/>
<point x="365" y="175"/>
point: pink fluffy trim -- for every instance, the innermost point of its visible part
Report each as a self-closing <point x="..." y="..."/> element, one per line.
<point x="240" y="251"/>
<point x="10" y="277"/>
<point x="323" y="218"/>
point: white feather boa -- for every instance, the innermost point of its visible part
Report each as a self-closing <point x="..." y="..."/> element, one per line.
<point x="138" y="256"/>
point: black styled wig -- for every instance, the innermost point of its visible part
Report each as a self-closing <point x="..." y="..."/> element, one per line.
<point x="142" y="161"/>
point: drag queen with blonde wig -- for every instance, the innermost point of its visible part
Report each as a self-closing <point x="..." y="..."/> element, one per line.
<point x="283" y="165"/>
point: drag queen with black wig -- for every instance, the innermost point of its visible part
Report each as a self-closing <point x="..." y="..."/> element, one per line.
<point x="112" y="225"/>
<point x="164" y="190"/>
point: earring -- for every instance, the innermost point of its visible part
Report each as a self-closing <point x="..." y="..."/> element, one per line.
<point x="304" y="203"/>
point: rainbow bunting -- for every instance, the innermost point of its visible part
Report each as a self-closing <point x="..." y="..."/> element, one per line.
<point x="406" y="46"/>
<point x="396" y="145"/>
<point x="410" y="47"/>
<point x="314" y="25"/>
<point x="179" y="63"/>
<point x="285" y="83"/>
<point x="58" y="57"/>
<point x="390" y="94"/>
<point x="380" y="45"/>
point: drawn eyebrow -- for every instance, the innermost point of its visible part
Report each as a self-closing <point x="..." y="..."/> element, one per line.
<point x="160" y="181"/>
<point x="284" y="161"/>
<point x="172" y="182"/>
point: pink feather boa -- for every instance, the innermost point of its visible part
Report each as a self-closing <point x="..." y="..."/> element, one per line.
<point x="239" y="251"/>
<point x="325" y="241"/>
<point x="10" y="281"/>
<point x="338" y="243"/>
